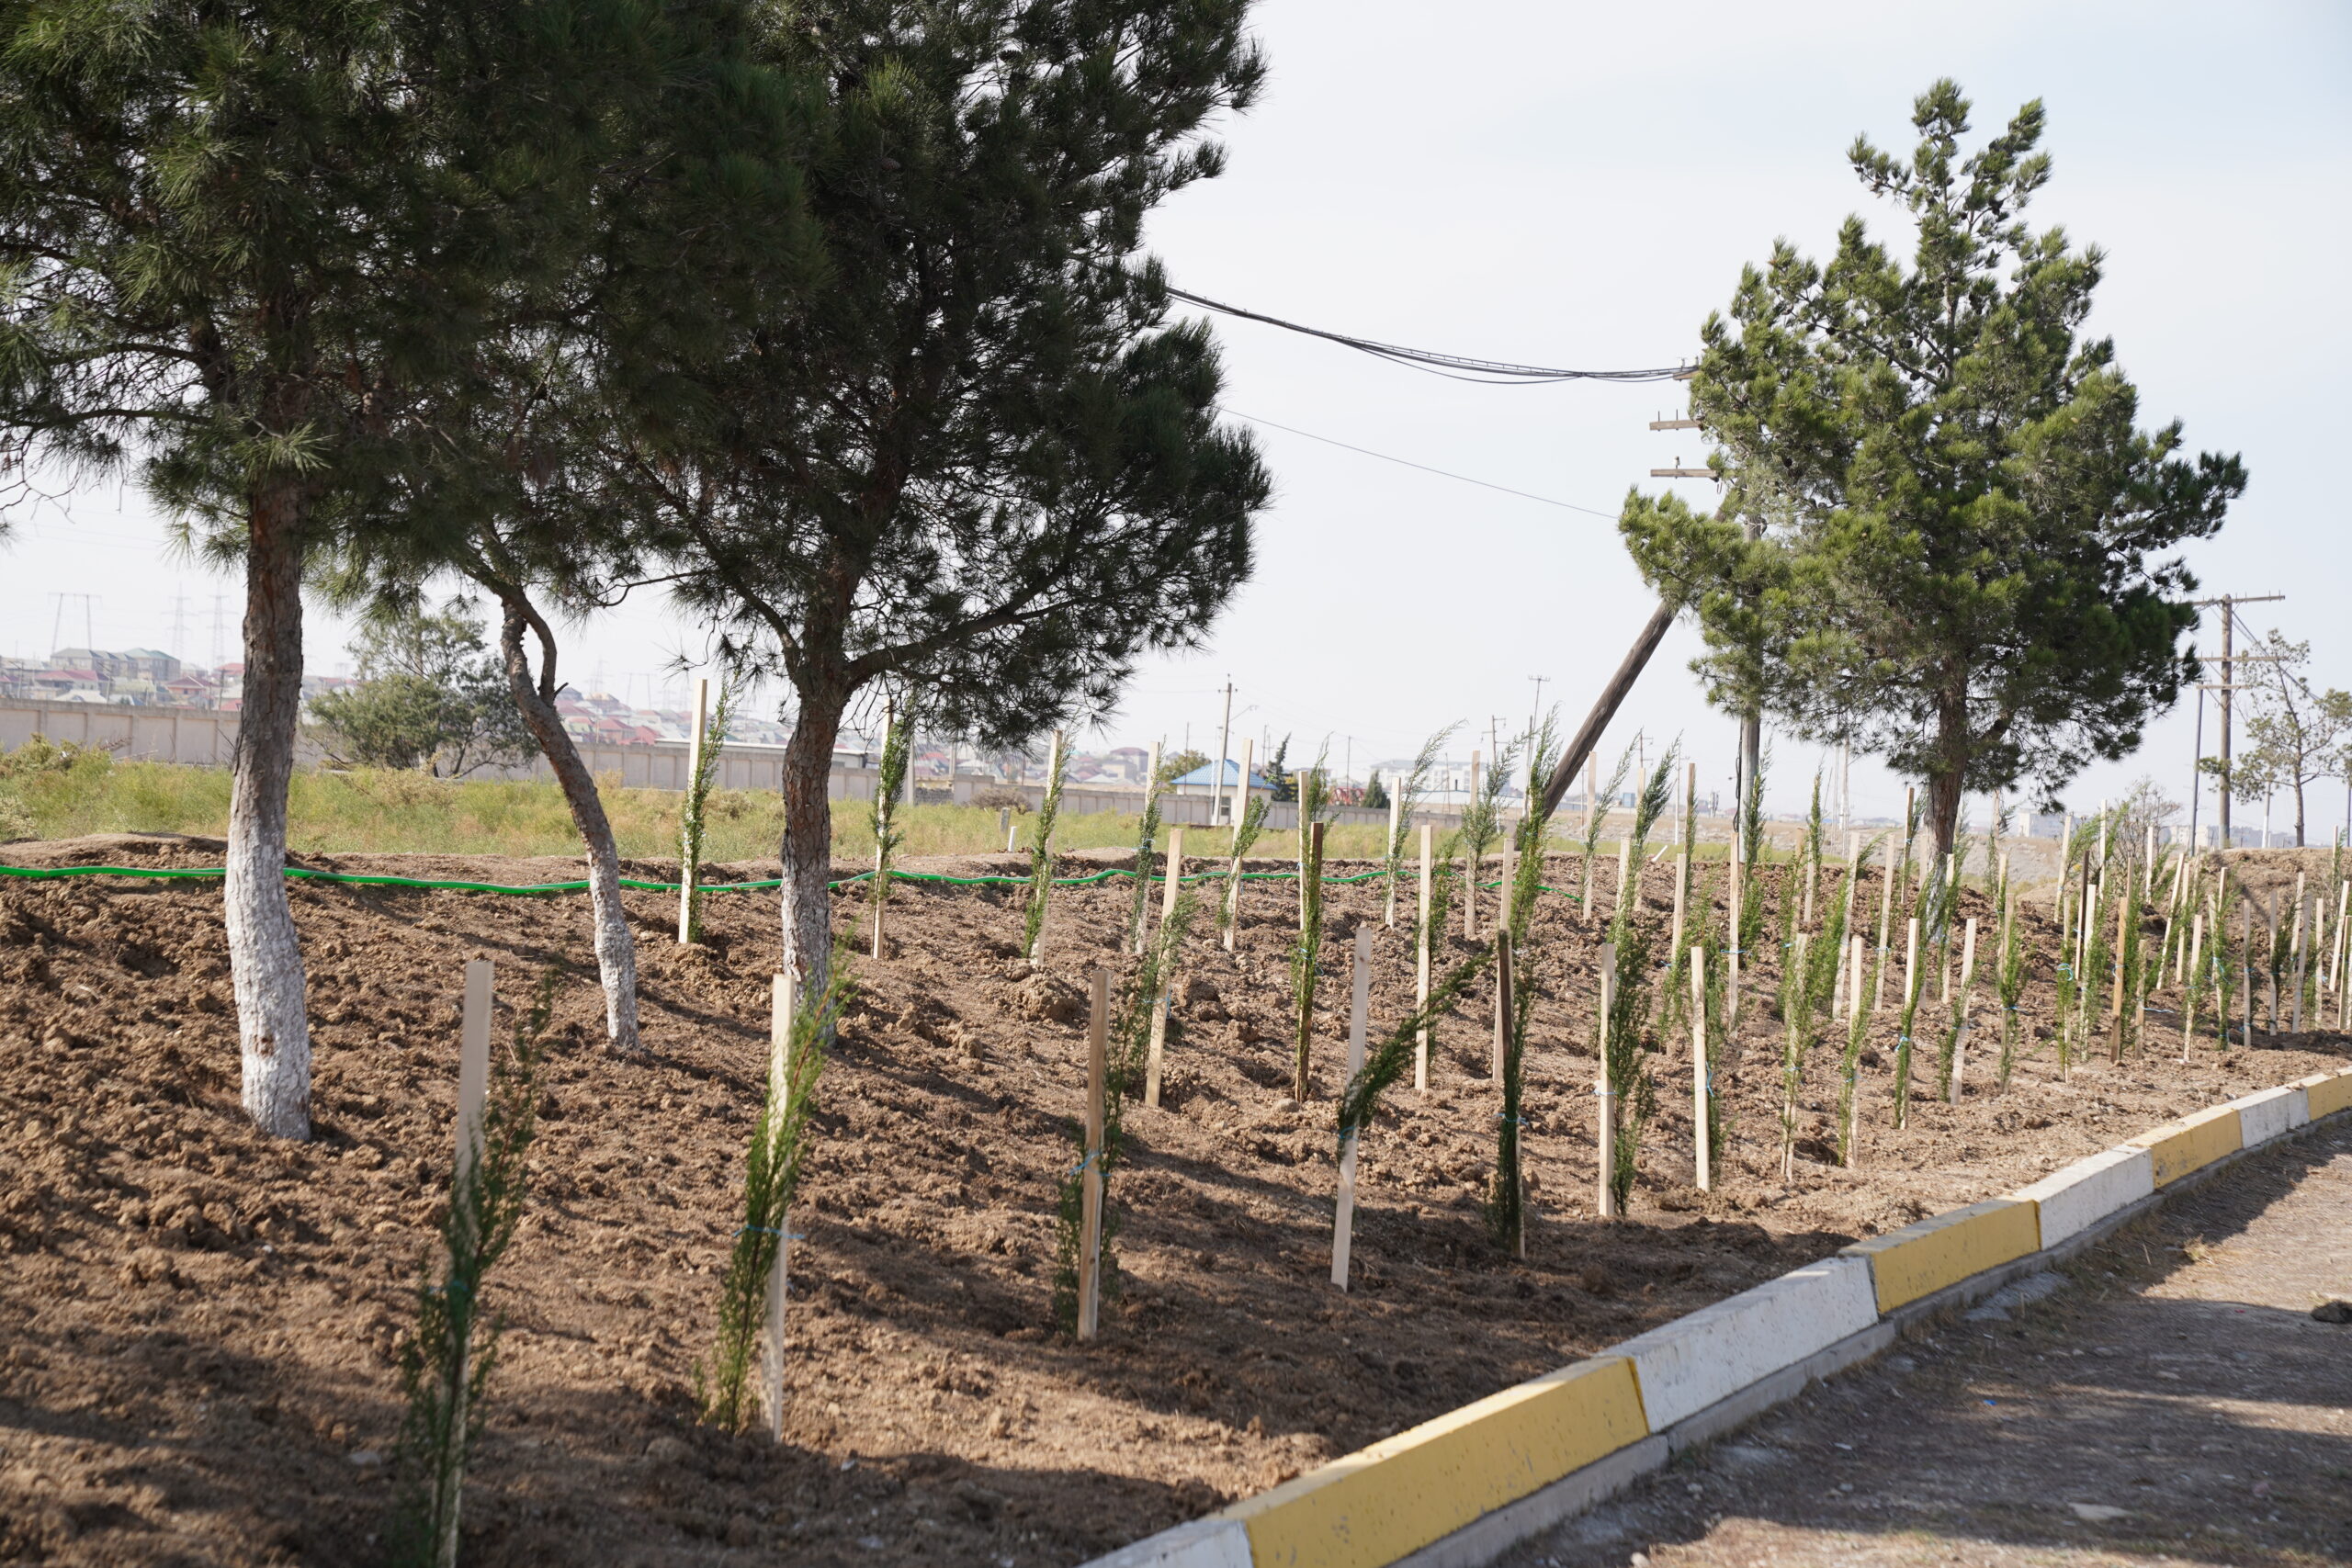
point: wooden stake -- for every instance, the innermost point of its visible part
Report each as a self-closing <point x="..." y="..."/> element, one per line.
<point x="1730" y="938"/>
<point x="1165" y="1003"/>
<point x="1886" y="919"/>
<point x="1624" y="871"/>
<point x="1502" y="1004"/>
<point x="780" y="1011"/>
<point x="2115" y="1003"/>
<point x="1421" y="966"/>
<point x="1470" y="878"/>
<point x="1967" y="997"/>
<point x="1591" y="805"/>
<point x="882" y="824"/>
<point x="1396" y="825"/>
<point x="1682" y="855"/>
<point x="1089" y="1212"/>
<point x="1004" y="821"/>
<point x="1233" y="877"/>
<point x="1701" y="1075"/>
<point x="1911" y="962"/>
<point x="1143" y="905"/>
<point x="1503" y="998"/>
<point x="1606" y="1201"/>
<point x="687" y="875"/>
<point x="1358" y="1014"/>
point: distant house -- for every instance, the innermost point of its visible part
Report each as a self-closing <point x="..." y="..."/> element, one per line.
<point x="1205" y="780"/>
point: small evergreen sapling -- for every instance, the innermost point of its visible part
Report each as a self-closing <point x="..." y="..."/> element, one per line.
<point x="1626" y="1032"/>
<point x="1506" y="1203"/>
<point x="772" y="1169"/>
<point x="1147" y="854"/>
<point x="1041" y="851"/>
<point x="1596" y="817"/>
<point x="1412" y="791"/>
<point x="1306" y="961"/>
<point x="694" y="819"/>
<point x="445" y="1366"/>
<point x="1139" y="1001"/>
<point x="889" y="783"/>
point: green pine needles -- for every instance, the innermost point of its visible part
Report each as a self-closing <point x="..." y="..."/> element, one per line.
<point x="1126" y="1060"/>
<point x="446" y="1367"/>
<point x="1391" y="1057"/>
<point x="1041" y="851"/>
<point x="772" y="1169"/>
<point x="695" y="818"/>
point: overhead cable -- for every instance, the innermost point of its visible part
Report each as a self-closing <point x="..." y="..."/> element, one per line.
<point x="1459" y="367"/>
<point x="1407" y="462"/>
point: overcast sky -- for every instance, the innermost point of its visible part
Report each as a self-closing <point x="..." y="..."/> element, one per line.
<point x="1579" y="185"/>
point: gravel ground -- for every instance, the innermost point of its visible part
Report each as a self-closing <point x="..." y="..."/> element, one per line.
<point x="2175" y="1402"/>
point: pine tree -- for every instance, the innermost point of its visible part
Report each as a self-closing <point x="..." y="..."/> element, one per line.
<point x="1943" y="537"/>
<point x="979" y="455"/>
<point x="241" y="246"/>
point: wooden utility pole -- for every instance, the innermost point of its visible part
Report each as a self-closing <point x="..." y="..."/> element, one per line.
<point x="2229" y="661"/>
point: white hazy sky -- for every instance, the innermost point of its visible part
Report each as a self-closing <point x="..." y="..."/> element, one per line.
<point x="1579" y="185"/>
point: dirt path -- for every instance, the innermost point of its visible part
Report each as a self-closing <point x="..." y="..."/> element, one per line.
<point x="2177" y="1403"/>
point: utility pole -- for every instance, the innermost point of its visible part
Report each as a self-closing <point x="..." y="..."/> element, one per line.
<point x="1535" y="715"/>
<point x="2228" y="685"/>
<point x="1224" y="750"/>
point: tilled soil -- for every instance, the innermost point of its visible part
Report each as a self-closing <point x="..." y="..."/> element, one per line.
<point x="197" y="1325"/>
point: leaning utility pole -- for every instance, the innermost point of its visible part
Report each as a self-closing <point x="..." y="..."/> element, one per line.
<point x="2228" y="686"/>
<point x="1224" y="750"/>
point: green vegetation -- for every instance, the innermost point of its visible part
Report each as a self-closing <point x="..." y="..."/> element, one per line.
<point x="445" y="1367"/>
<point x="772" y="1168"/>
<point x="1126" y="1059"/>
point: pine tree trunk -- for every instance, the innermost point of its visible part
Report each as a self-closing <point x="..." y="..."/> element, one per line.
<point x="807" y="849"/>
<point x="615" y="947"/>
<point x="264" y="954"/>
<point x="1944" y="785"/>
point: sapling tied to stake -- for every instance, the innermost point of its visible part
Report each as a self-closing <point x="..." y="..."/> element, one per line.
<point x="1307" y="956"/>
<point x="1811" y="979"/>
<point x="2011" y="984"/>
<point x="694" y="819"/>
<point x="446" y="1365"/>
<point x="1126" y="1061"/>
<point x="889" y="783"/>
<point x="1482" y="824"/>
<point x="1245" y="830"/>
<point x="1147" y="854"/>
<point x="772" y="1168"/>
<point x="1626" y="1032"/>
<point x="1412" y="792"/>
<point x="1596" y="817"/>
<point x="1041" y="851"/>
<point x="1506" y="1203"/>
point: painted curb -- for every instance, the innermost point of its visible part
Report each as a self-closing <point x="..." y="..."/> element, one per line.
<point x="1706" y="1356"/>
<point x="2191" y="1142"/>
<point x="2327" y="1093"/>
<point x="1922" y="1258"/>
<point x="2087" y="1192"/>
<point x="2271" y="1113"/>
<point x="1458" y="1491"/>
<point x="1396" y="1496"/>
<point x="1203" y="1543"/>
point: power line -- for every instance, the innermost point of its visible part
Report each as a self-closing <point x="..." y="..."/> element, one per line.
<point x="1456" y="366"/>
<point x="1407" y="462"/>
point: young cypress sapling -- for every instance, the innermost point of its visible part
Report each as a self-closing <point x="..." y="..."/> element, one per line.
<point x="1123" y="1078"/>
<point x="889" y="783"/>
<point x="1412" y="791"/>
<point x="445" y="1366"/>
<point x="1041" y="853"/>
<point x="1506" y="1201"/>
<point x="1147" y="854"/>
<point x="1596" y="817"/>
<point x="1627" y="1036"/>
<point x="694" y="820"/>
<point x="772" y="1168"/>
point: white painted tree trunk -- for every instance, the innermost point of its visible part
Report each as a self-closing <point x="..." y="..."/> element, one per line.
<point x="265" y="956"/>
<point x="615" y="946"/>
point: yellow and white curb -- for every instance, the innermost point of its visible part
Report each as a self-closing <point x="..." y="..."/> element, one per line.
<point x="1457" y="1491"/>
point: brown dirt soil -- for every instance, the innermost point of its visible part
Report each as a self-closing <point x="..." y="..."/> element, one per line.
<point x="197" y="1325"/>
